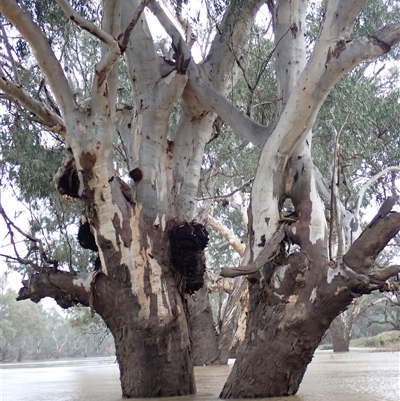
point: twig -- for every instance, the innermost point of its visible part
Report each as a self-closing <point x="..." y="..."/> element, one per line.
<point x="10" y="56"/>
<point x="246" y="184"/>
<point x="11" y="225"/>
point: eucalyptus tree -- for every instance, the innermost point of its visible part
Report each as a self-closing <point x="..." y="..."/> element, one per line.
<point x="150" y="247"/>
<point x="294" y="298"/>
<point x="145" y="228"/>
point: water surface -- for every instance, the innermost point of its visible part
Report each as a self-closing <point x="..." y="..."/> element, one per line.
<point x="352" y="376"/>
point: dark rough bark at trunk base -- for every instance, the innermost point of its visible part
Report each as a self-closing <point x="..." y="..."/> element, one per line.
<point x="279" y="344"/>
<point x="203" y="335"/>
<point x="340" y="338"/>
<point x="153" y="353"/>
<point x="147" y="370"/>
<point x="280" y="374"/>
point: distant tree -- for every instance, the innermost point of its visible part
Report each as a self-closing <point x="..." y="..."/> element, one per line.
<point x="22" y="328"/>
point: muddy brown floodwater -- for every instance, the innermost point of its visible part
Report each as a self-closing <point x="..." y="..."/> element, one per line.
<point x="352" y="376"/>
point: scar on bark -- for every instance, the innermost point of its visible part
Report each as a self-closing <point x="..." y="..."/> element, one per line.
<point x="187" y="242"/>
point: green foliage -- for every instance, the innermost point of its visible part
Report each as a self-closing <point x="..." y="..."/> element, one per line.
<point x="375" y="15"/>
<point x="362" y="105"/>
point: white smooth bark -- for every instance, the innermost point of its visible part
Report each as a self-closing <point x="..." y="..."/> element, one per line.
<point x="228" y="234"/>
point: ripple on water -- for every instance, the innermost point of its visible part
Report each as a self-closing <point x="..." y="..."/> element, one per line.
<point x="352" y="376"/>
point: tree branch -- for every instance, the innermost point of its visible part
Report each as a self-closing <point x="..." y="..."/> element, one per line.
<point x="366" y="185"/>
<point x="123" y="41"/>
<point x="362" y="254"/>
<point x="43" y="255"/>
<point x="170" y="28"/>
<point x="53" y="121"/>
<point x="267" y="253"/>
<point x="228" y="234"/>
<point x="326" y="66"/>
<point x="141" y="56"/>
<point x="218" y="73"/>
<point x="66" y="288"/>
<point x="43" y="53"/>
<point x="385" y="273"/>
<point x="219" y="197"/>
<point x="85" y="24"/>
<point x="211" y="99"/>
<point x="10" y="56"/>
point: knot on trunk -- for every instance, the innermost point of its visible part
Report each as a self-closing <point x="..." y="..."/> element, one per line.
<point x="291" y="276"/>
<point x="187" y="242"/>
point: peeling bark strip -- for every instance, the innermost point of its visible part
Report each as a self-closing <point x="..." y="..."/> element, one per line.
<point x="187" y="242"/>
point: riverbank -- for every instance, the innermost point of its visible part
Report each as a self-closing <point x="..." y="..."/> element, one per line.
<point x="388" y="341"/>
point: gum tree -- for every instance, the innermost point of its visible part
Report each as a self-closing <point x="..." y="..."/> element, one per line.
<point x="295" y="297"/>
<point x="150" y="246"/>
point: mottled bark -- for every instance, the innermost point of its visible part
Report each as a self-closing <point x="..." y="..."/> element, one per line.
<point x="295" y="297"/>
<point x="230" y="320"/>
<point x="203" y="336"/>
<point x="340" y="335"/>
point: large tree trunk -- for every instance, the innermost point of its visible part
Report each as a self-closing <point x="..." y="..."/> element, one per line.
<point x="203" y="336"/>
<point x="150" y="248"/>
<point x="277" y="348"/>
<point x="340" y="335"/>
<point x="294" y="297"/>
<point x="157" y="342"/>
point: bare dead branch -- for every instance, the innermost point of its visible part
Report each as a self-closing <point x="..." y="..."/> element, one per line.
<point x="220" y="197"/>
<point x="11" y="226"/>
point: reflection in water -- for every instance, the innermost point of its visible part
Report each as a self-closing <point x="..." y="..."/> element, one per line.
<point x="353" y="376"/>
